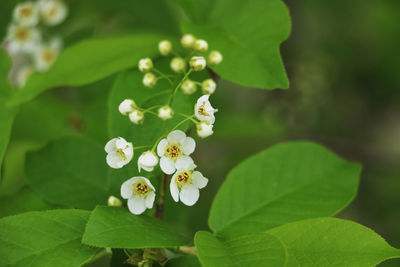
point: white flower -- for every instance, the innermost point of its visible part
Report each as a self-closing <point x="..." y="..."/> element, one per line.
<point x="204" y="111"/>
<point x="215" y="57"/>
<point x="188" y="40"/>
<point x="22" y="39"/>
<point x="136" y="116"/>
<point x="23" y="75"/>
<point x="145" y="64"/>
<point x="114" y="202"/>
<point x="197" y="63"/>
<point x="149" y="80"/>
<point x="46" y="54"/>
<point x="208" y="86"/>
<point x="127" y="106"/>
<point x="188" y="87"/>
<point x="204" y="129"/>
<point x="165" y="47"/>
<point x="178" y="64"/>
<point x="120" y="152"/>
<point x="53" y="12"/>
<point x="201" y="46"/>
<point x="185" y="185"/>
<point x="174" y="151"/>
<point x="165" y="112"/>
<point x="26" y="14"/>
<point x="147" y="161"/>
<point x="140" y="194"/>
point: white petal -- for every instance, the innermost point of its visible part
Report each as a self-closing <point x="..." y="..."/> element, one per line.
<point x="173" y="188"/>
<point x="148" y="183"/>
<point x="185" y="163"/>
<point x="150" y="200"/>
<point x="161" y="147"/>
<point x="121" y="143"/>
<point x="167" y="165"/>
<point x="176" y="136"/>
<point x="136" y="205"/>
<point x="128" y="151"/>
<point x="199" y="180"/>
<point x="114" y="160"/>
<point x="188" y="145"/>
<point x="126" y="188"/>
<point x="111" y="146"/>
<point x="189" y="195"/>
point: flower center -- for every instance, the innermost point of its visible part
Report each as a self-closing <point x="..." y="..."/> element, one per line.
<point x="202" y="111"/>
<point x="48" y="56"/>
<point x="121" y="154"/>
<point x="22" y="34"/>
<point x="173" y="151"/>
<point x="183" y="178"/>
<point x="140" y="189"/>
<point x="26" y="11"/>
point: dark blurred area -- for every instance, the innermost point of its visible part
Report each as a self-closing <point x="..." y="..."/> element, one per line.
<point x="343" y="63"/>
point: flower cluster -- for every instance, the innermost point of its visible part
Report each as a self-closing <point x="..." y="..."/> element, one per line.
<point x="171" y="152"/>
<point x="25" y="42"/>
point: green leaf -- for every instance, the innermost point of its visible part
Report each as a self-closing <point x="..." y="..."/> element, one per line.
<point x="117" y="228"/>
<point x="89" y="61"/>
<point x="70" y="171"/>
<point x="45" y="238"/>
<point x="332" y="242"/>
<point x="184" y="261"/>
<point x="287" y="182"/>
<point x="249" y="43"/>
<point x="254" y="249"/>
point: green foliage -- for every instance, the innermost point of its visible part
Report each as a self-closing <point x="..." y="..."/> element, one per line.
<point x="251" y="53"/>
<point x="253" y="249"/>
<point x="90" y="60"/>
<point x="118" y="228"/>
<point x="184" y="261"/>
<point x="46" y="238"/>
<point x="332" y="242"/>
<point x="70" y="171"/>
<point x="285" y="183"/>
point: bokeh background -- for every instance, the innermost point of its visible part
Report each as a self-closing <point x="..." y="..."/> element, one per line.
<point x="343" y="62"/>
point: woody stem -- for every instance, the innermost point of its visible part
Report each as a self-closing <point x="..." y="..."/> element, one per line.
<point x="160" y="204"/>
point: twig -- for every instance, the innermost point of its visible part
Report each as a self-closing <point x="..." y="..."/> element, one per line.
<point x="160" y="204"/>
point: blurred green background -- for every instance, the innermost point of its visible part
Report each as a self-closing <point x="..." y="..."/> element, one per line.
<point x="343" y="63"/>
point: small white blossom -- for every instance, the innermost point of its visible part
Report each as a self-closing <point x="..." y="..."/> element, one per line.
<point x="188" y="87"/>
<point x="165" y="47"/>
<point x="208" y="86"/>
<point x="127" y="106"/>
<point x="204" y="129"/>
<point x="53" y="12"/>
<point x="22" y="39"/>
<point x="185" y="185"/>
<point x="197" y="63"/>
<point x="120" y="152"/>
<point x="23" y="74"/>
<point x="136" y="116"/>
<point x="147" y="161"/>
<point x="201" y="46"/>
<point x="140" y="194"/>
<point x="204" y="111"/>
<point x="26" y="14"/>
<point x="145" y="64"/>
<point x="114" y="202"/>
<point x="46" y="54"/>
<point x="215" y="57"/>
<point x="174" y="151"/>
<point x="178" y="64"/>
<point x="165" y="112"/>
<point x="149" y="80"/>
<point x="188" y="41"/>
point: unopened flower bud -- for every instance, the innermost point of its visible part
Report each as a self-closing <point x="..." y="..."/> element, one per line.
<point x="127" y="106"/>
<point x="201" y="46"/>
<point x="204" y="129"/>
<point x="149" y="80"/>
<point x="147" y="161"/>
<point x="114" y="202"/>
<point x="188" y="40"/>
<point x="197" y="63"/>
<point x="215" y="57"/>
<point x="188" y="87"/>
<point x="165" y="113"/>
<point x="208" y="86"/>
<point x="178" y="64"/>
<point x="136" y="116"/>
<point x="165" y="47"/>
<point x="145" y="64"/>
